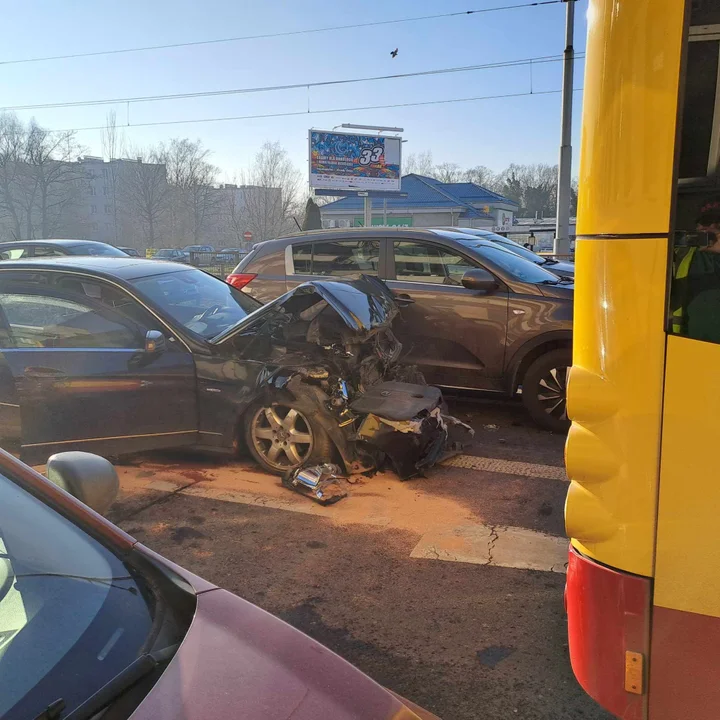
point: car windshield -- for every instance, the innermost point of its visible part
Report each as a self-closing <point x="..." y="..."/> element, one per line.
<point x="72" y="615"/>
<point x="509" y="245"/>
<point x="200" y="302"/>
<point x="99" y="249"/>
<point x="517" y="266"/>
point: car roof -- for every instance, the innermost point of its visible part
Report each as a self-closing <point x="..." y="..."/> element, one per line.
<point x="63" y="242"/>
<point x="129" y="268"/>
<point x="410" y="233"/>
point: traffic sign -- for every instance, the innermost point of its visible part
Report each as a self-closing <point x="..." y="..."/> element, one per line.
<point x="247" y="235"/>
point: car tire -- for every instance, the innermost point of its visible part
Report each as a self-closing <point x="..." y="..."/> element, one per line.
<point x="544" y="390"/>
<point x="281" y="437"/>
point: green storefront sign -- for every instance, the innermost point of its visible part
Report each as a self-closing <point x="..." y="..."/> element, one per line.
<point x="391" y="222"/>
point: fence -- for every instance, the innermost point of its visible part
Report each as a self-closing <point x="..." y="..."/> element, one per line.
<point x="220" y="264"/>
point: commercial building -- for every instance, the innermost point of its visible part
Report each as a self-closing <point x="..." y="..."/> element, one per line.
<point x="429" y="203"/>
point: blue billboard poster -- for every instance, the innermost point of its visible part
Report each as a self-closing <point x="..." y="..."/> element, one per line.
<point x="344" y="161"/>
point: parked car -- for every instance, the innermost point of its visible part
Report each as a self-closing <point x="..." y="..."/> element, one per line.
<point x="476" y="316"/>
<point x="561" y="268"/>
<point x="131" y="252"/>
<point x="23" y="249"/>
<point x="199" y="248"/>
<point x="120" y="355"/>
<point x="94" y="623"/>
<point x="173" y="255"/>
<point x="230" y="254"/>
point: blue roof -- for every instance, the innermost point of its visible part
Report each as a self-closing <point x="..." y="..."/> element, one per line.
<point x="426" y="192"/>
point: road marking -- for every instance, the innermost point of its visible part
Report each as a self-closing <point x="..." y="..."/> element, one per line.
<point x="494" y="545"/>
<point x="476" y="543"/>
<point x="508" y="467"/>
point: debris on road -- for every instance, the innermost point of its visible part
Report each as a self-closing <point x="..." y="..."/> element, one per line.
<point x="320" y="482"/>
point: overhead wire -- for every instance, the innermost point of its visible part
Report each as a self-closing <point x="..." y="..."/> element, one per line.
<point x="294" y="86"/>
<point x="323" y="111"/>
<point x="287" y="33"/>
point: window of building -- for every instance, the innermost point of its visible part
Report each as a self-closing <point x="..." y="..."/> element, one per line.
<point x="340" y="258"/>
<point x="43" y="321"/>
<point x="93" y="209"/>
<point x="92" y="190"/>
<point x="108" y="209"/>
<point x="418" y="262"/>
<point x="106" y="190"/>
<point x="95" y="227"/>
<point x="106" y="172"/>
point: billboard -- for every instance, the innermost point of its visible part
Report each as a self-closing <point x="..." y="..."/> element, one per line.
<point x="348" y="161"/>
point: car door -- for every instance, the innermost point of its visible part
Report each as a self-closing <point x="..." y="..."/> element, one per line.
<point x="344" y="259"/>
<point x="82" y="376"/>
<point x="455" y="335"/>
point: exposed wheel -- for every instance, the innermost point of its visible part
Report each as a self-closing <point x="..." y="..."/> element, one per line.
<point x="544" y="390"/>
<point x="281" y="437"/>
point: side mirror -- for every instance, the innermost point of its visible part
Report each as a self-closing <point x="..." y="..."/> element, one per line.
<point x="155" y="342"/>
<point x="480" y="280"/>
<point x="90" y="478"/>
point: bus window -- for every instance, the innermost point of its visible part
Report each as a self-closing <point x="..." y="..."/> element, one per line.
<point x="694" y="296"/>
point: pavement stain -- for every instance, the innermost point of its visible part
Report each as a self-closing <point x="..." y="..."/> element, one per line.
<point x="184" y="532"/>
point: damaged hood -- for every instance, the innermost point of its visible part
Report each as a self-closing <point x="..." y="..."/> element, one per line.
<point x="364" y="305"/>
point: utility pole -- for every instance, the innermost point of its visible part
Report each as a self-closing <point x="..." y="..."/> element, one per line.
<point x="367" y="221"/>
<point x="562" y="228"/>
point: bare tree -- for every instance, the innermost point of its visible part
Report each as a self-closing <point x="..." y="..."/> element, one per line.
<point x="481" y="175"/>
<point x="145" y="193"/>
<point x="533" y="187"/>
<point x="113" y="147"/>
<point x="419" y="163"/>
<point x="12" y="154"/>
<point x="448" y="172"/>
<point x="271" y="193"/>
<point x="196" y="203"/>
<point x="40" y="181"/>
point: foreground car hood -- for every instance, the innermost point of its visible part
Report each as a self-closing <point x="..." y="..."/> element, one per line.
<point x="364" y="305"/>
<point x="239" y="661"/>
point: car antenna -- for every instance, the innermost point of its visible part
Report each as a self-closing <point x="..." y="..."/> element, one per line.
<point x="297" y="223"/>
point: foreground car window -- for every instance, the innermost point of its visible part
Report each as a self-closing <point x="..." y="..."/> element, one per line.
<point x="200" y="302"/>
<point x="416" y="262"/>
<point x="72" y="615"/>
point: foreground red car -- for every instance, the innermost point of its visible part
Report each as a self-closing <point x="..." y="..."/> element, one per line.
<point x="92" y="620"/>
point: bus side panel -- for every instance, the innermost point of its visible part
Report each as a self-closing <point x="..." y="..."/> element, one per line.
<point x="615" y="400"/>
<point x="629" y="110"/>
<point x="626" y="174"/>
<point x="684" y="666"/>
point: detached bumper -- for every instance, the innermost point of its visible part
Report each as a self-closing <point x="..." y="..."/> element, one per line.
<point x="608" y="634"/>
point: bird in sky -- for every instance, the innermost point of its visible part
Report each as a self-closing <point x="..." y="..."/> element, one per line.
<point x="393" y="53"/>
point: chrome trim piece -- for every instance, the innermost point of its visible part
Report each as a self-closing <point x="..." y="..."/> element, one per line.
<point x="114" y="437"/>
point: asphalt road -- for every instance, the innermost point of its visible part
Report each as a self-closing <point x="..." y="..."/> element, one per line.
<point x="466" y="639"/>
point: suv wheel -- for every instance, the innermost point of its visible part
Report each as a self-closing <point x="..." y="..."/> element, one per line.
<point x="544" y="390"/>
<point x="281" y="437"/>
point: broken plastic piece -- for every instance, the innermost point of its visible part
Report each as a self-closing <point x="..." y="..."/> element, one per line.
<point x="319" y="482"/>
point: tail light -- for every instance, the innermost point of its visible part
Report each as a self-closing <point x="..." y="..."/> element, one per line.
<point x="240" y="280"/>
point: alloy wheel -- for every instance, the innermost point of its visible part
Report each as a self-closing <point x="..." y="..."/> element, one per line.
<point x="282" y="435"/>
<point x="552" y="392"/>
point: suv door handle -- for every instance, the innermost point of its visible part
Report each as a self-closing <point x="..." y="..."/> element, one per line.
<point x="43" y="373"/>
<point x="403" y="299"/>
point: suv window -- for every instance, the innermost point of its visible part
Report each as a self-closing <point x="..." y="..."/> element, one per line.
<point x="15" y="253"/>
<point x="418" y="262"/>
<point x="47" y="251"/>
<point x="337" y="257"/>
<point x="47" y="321"/>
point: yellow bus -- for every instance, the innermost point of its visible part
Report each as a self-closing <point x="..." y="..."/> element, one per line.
<point x="643" y="452"/>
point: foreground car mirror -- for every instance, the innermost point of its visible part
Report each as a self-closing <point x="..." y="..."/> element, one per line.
<point x="155" y="342"/>
<point x="480" y="280"/>
<point x="90" y="478"/>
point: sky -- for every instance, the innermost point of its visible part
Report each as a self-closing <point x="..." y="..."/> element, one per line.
<point x="493" y="132"/>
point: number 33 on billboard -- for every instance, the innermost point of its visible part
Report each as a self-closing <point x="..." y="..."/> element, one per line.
<point x="371" y="155"/>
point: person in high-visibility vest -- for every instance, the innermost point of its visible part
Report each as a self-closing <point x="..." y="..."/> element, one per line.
<point x="696" y="286"/>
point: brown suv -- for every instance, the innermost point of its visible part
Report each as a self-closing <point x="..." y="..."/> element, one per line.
<point x="475" y="316"/>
